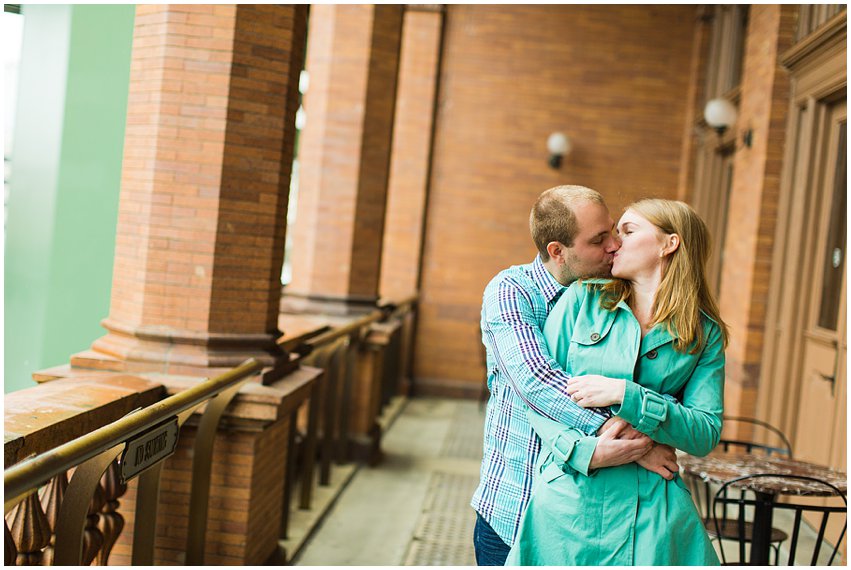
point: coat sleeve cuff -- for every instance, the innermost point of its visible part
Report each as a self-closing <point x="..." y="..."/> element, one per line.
<point x="644" y="409"/>
<point x="574" y="453"/>
<point x="583" y="451"/>
<point x="630" y="409"/>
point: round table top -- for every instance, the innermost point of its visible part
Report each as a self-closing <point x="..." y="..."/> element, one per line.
<point x="720" y="467"/>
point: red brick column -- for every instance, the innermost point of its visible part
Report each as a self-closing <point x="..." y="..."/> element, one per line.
<point x="752" y="212"/>
<point x="410" y="167"/>
<point x="202" y="214"/>
<point x="353" y="60"/>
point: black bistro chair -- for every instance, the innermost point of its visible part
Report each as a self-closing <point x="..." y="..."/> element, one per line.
<point x="740" y="530"/>
<point x="763" y="439"/>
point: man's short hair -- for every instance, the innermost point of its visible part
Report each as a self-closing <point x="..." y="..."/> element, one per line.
<point x="552" y="217"/>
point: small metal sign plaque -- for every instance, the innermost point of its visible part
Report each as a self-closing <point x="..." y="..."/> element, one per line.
<point x="147" y="449"/>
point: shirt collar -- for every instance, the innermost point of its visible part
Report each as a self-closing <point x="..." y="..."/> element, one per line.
<point x="545" y="282"/>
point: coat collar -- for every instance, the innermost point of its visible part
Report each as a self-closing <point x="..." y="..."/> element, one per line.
<point x="655" y="337"/>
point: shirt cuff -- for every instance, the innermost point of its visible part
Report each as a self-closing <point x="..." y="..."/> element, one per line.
<point x="595" y="422"/>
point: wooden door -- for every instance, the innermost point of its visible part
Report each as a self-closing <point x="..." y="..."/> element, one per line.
<point x="820" y="429"/>
<point x="820" y="434"/>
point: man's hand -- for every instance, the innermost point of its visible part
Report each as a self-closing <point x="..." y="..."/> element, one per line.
<point x="613" y="450"/>
<point x="661" y="459"/>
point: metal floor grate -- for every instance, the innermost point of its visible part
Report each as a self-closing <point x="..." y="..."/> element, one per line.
<point x="432" y="553"/>
<point x="444" y="534"/>
<point x="449" y="493"/>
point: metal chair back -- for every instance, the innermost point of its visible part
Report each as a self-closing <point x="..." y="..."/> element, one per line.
<point x="764" y="444"/>
<point x="746" y="501"/>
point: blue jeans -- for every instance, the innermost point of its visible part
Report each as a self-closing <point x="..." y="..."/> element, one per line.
<point x="490" y="549"/>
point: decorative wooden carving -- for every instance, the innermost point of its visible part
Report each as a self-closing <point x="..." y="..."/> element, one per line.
<point x="111" y="521"/>
<point x="30" y="531"/>
<point x="52" y="500"/>
<point x="92" y="536"/>
<point x="9" y="549"/>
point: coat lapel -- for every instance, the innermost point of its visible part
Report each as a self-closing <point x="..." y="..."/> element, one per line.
<point x="657" y="337"/>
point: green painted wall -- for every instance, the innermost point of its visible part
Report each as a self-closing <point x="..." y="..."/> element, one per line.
<point x="64" y="184"/>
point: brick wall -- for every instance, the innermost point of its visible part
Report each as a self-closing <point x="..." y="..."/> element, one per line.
<point x="752" y="213"/>
<point x="615" y="81"/>
<point x="696" y="102"/>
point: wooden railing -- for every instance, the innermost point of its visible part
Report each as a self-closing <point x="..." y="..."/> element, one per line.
<point x="377" y="345"/>
<point x="63" y="506"/>
<point x="75" y="521"/>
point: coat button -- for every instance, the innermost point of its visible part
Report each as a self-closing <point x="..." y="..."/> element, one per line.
<point x="595" y="337"/>
<point x="652" y="354"/>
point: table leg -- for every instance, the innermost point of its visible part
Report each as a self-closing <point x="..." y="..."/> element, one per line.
<point x="761" y="545"/>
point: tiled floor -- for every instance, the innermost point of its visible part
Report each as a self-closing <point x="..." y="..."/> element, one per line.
<point x="413" y="508"/>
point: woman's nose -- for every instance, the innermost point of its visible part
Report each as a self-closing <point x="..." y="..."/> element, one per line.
<point x="614" y="245"/>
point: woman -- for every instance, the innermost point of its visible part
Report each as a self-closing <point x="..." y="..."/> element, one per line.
<point x="650" y="344"/>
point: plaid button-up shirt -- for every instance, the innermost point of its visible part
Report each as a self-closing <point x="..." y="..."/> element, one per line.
<point x="521" y="373"/>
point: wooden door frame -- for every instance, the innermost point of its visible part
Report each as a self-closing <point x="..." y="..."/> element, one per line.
<point x="838" y="453"/>
<point x="817" y="65"/>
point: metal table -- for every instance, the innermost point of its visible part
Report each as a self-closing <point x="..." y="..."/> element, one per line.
<point x="720" y="467"/>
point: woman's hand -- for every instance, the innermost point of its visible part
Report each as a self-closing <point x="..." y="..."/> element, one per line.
<point x="593" y="391"/>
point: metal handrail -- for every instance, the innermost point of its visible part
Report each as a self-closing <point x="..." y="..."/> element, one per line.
<point x="344" y="330"/>
<point x="384" y="309"/>
<point x="30" y="474"/>
<point x="392" y="305"/>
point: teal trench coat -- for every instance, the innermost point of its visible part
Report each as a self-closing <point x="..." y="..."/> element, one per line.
<point x="622" y="515"/>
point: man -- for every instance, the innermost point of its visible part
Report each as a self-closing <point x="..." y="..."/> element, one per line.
<point x="572" y="230"/>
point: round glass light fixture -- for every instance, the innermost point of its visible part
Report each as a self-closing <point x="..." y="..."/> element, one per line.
<point x="558" y="146"/>
<point x="720" y="114"/>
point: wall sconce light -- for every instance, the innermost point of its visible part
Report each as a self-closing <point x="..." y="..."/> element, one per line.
<point x="558" y="146"/>
<point x="720" y="114"/>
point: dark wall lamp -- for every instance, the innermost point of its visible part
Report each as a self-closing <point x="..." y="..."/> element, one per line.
<point x="558" y="146"/>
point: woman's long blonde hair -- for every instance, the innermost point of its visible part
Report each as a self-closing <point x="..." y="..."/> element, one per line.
<point x="683" y="291"/>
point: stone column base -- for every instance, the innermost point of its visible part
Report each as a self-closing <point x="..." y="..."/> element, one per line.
<point x="295" y="302"/>
<point x="170" y="351"/>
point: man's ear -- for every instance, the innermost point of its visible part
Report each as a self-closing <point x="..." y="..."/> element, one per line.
<point x="556" y="251"/>
<point x="672" y="242"/>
